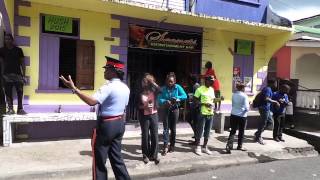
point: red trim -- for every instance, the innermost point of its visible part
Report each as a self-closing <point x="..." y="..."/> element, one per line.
<point x="116" y="65"/>
<point x="93" y="142"/>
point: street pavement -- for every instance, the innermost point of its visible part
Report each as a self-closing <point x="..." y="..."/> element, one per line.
<point x="295" y="169"/>
<point x="71" y="159"/>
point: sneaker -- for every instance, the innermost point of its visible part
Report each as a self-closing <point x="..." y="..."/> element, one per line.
<point x="206" y="150"/>
<point x="198" y="150"/>
<point x="10" y="112"/>
<point x="164" y="151"/>
<point x="21" y="112"/>
<point x="260" y="141"/>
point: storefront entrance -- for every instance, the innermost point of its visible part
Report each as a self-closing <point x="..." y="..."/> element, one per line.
<point x="158" y="63"/>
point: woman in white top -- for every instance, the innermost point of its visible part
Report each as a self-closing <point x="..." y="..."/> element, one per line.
<point x="238" y="118"/>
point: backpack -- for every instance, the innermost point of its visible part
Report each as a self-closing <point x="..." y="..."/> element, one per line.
<point x="258" y="100"/>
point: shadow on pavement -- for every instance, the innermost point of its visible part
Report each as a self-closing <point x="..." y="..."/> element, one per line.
<point x="261" y="158"/>
<point x="247" y="139"/>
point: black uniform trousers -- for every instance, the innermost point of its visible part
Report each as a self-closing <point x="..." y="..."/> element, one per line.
<point x="108" y="145"/>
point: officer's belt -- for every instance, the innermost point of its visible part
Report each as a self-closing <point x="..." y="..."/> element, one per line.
<point x="111" y="118"/>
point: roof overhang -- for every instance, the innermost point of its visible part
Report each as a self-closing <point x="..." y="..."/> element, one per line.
<point x="125" y="8"/>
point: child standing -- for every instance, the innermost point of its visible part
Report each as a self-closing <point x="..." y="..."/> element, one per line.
<point x="289" y="114"/>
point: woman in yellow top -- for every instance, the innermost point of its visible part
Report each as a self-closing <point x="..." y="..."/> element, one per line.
<point x="204" y="95"/>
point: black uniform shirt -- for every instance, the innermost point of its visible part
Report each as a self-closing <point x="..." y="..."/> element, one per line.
<point x="11" y="60"/>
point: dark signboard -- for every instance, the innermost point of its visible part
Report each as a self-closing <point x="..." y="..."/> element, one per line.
<point x="150" y="38"/>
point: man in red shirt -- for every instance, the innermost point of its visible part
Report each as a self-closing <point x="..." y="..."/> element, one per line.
<point x="216" y="84"/>
<point x="217" y="93"/>
<point x="210" y="70"/>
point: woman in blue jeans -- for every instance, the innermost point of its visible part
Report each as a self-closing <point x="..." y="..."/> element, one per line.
<point x="205" y="96"/>
<point x="169" y="100"/>
<point x="149" y="119"/>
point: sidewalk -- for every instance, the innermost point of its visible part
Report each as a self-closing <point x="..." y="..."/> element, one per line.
<point x="71" y="159"/>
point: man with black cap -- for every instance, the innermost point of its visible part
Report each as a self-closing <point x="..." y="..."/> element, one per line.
<point x="113" y="98"/>
<point x="205" y="96"/>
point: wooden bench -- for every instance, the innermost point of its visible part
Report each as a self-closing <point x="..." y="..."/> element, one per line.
<point x="220" y="118"/>
<point x="41" y="117"/>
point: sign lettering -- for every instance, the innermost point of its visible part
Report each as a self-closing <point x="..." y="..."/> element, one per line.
<point x="144" y="37"/>
<point x="58" y="24"/>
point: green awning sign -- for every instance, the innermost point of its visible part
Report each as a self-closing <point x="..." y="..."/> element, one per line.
<point x="244" y="47"/>
<point x="58" y="24"/>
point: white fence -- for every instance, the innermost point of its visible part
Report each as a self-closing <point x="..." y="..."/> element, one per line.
<point x="308" y="99"/>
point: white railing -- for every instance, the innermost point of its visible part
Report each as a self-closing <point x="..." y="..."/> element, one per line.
<point x="308" y="99"/>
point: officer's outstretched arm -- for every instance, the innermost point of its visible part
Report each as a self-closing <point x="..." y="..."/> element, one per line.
<point x="84" y="97"/>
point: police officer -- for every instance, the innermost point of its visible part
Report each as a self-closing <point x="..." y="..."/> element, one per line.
<point x="113" y="98"/>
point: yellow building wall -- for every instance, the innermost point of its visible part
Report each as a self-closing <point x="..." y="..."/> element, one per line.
<point x="10" y="10"/>
<point x="96" y="25"/>
<point x="215" y="49"/>
<point x="93" y="26"/>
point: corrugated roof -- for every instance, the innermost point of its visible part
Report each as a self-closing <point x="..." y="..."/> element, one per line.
<point x="305" y="29"/>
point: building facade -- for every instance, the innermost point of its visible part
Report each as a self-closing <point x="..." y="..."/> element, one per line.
<point x="73" y="37"/>
<point x="299" y="60"/>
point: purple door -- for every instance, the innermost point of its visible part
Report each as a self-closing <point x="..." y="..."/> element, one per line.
<point x="49" y="62"/>
<point x="246" y="66"/>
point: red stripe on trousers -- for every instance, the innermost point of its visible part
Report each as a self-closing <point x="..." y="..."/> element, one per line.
<point x="93" y="142"/>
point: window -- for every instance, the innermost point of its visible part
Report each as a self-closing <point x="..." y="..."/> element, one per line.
<point x="61" y="54"/>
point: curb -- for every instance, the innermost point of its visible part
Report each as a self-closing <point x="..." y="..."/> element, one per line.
<point x="200" y="164"/>
<point x="311" y="139"/>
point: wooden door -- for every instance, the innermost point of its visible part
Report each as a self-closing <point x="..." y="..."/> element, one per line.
<point x="85" y="64"/>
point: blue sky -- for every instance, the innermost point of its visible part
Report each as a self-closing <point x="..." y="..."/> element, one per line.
<point x="296" y="9"/>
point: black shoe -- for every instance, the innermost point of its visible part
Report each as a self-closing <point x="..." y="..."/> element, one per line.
<point x="145" y="159"/>
<point x="171" y="149"/>
<point x="192" y="143"/>
<point x="281" y="139"/>
<point x="228" y="149"/>
<point x="276" y="139"/>
<point x="10" y="112"/>
<point x="241" y="148"/>
<point x="156" y="161"/>
<point x="21" y="112"/>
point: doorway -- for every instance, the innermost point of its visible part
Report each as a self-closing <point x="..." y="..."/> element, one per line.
<point x="159" y="63"/>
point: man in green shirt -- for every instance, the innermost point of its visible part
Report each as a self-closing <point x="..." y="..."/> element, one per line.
<point x="204" y="95"/>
